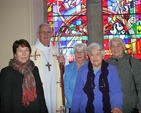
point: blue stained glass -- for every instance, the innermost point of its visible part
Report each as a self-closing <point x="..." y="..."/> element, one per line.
<point x="71" y="14"/>
<point x="126" y="41"/>
<point x="78" y="22"/>
<point x="122" y="18"/>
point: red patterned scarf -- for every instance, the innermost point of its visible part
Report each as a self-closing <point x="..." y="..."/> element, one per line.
<point x="29" y="84"/>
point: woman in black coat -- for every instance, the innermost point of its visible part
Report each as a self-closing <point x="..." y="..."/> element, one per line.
<point x="20" y="84"/>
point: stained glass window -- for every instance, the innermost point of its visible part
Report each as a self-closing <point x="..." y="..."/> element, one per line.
<point x="69" y="22"/>
<point x="122" y="18"/>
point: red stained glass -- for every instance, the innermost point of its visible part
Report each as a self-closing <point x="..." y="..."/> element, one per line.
<point x="123" y="19"/>
<point x="66" y="15"/>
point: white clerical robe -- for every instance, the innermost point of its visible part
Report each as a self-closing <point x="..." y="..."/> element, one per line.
<point x="50" y="79"/>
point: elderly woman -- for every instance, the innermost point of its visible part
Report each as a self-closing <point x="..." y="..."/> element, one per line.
<point x="97" y="88"/>
<point x="71" y="72"/>
<point x="130" y="79"/>
<point x="20" y="85"/>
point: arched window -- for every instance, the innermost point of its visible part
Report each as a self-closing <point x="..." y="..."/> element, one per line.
<point x="122" y="18"/>
<point x="69" y="23"/>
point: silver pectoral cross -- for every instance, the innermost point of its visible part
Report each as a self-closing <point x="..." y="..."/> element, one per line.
<point x="48" y="65"/>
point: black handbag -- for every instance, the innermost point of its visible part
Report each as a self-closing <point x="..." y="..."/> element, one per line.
<point x="135" y="110"/>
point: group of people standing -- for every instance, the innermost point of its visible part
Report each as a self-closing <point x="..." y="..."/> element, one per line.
<point x="32" y="80"/>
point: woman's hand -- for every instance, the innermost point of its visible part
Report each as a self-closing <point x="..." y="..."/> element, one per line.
<point x="116" y="110"/>
<point x="60" y="58"/>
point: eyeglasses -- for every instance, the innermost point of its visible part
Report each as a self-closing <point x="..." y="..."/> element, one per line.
<point x="92" y="85"/>
<point x="45" y="32"/>
<point x="80" y="52"/>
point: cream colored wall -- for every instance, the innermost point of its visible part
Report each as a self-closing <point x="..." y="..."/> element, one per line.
<point x="19" y="19"/>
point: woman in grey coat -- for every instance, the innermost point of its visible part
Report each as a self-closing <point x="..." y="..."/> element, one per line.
<point x="129" y="69"/>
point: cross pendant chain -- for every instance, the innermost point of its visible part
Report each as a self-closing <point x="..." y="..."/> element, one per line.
<point x="48" y="65"/>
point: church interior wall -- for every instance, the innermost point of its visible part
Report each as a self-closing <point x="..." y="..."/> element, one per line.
<point x="19" y="19"/>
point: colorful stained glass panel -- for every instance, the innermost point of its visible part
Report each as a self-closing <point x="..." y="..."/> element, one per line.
<point x="69" y="23"/>
<point x="122" y="18"/>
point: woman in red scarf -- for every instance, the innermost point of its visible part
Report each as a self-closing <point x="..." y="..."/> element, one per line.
<point x="20" y="85"/>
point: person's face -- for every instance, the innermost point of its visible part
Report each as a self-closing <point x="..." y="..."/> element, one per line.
<point x="44" y="35"/>
<point x="96" y="58"/>
<point x="22" y="54"/>
<point x="80" y="55"/>
<point x="117" y="49"/>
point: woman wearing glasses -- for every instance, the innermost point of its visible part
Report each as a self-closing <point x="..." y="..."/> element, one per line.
<point x="97" y="88"/>
<point x="71" y="72"/>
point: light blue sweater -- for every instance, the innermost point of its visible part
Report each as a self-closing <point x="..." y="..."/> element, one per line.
<point x="70" y="76"/>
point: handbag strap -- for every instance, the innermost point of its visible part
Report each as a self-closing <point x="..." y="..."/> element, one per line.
<point x="132" y="73"/>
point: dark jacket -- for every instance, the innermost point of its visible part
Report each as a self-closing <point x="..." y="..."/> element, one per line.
<point x="11" y="93"/>
<point x="130" y="98"/>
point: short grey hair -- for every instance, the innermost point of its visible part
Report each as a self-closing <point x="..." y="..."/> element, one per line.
<point x="80" y="46"/>
<point x="44" y="24"/>
<point x="117" y="39"/>
<point x="95" y="46"/>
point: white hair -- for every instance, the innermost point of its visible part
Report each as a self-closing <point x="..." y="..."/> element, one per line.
<point x="80" y="46"/>
<point x="95" y="46"/>
<point x="44" y="24"/>
<point x="117" y="39"/>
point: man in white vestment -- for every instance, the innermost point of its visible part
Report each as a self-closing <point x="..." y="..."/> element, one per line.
<point x="46" y="57"/>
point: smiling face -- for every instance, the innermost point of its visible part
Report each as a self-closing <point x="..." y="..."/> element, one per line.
<point x="22" y="54"/>
<point x="44" y="35"/>
<point x="80" y="55"/>
<point x="96" y="58"/>
<point x="117" y="49"/>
